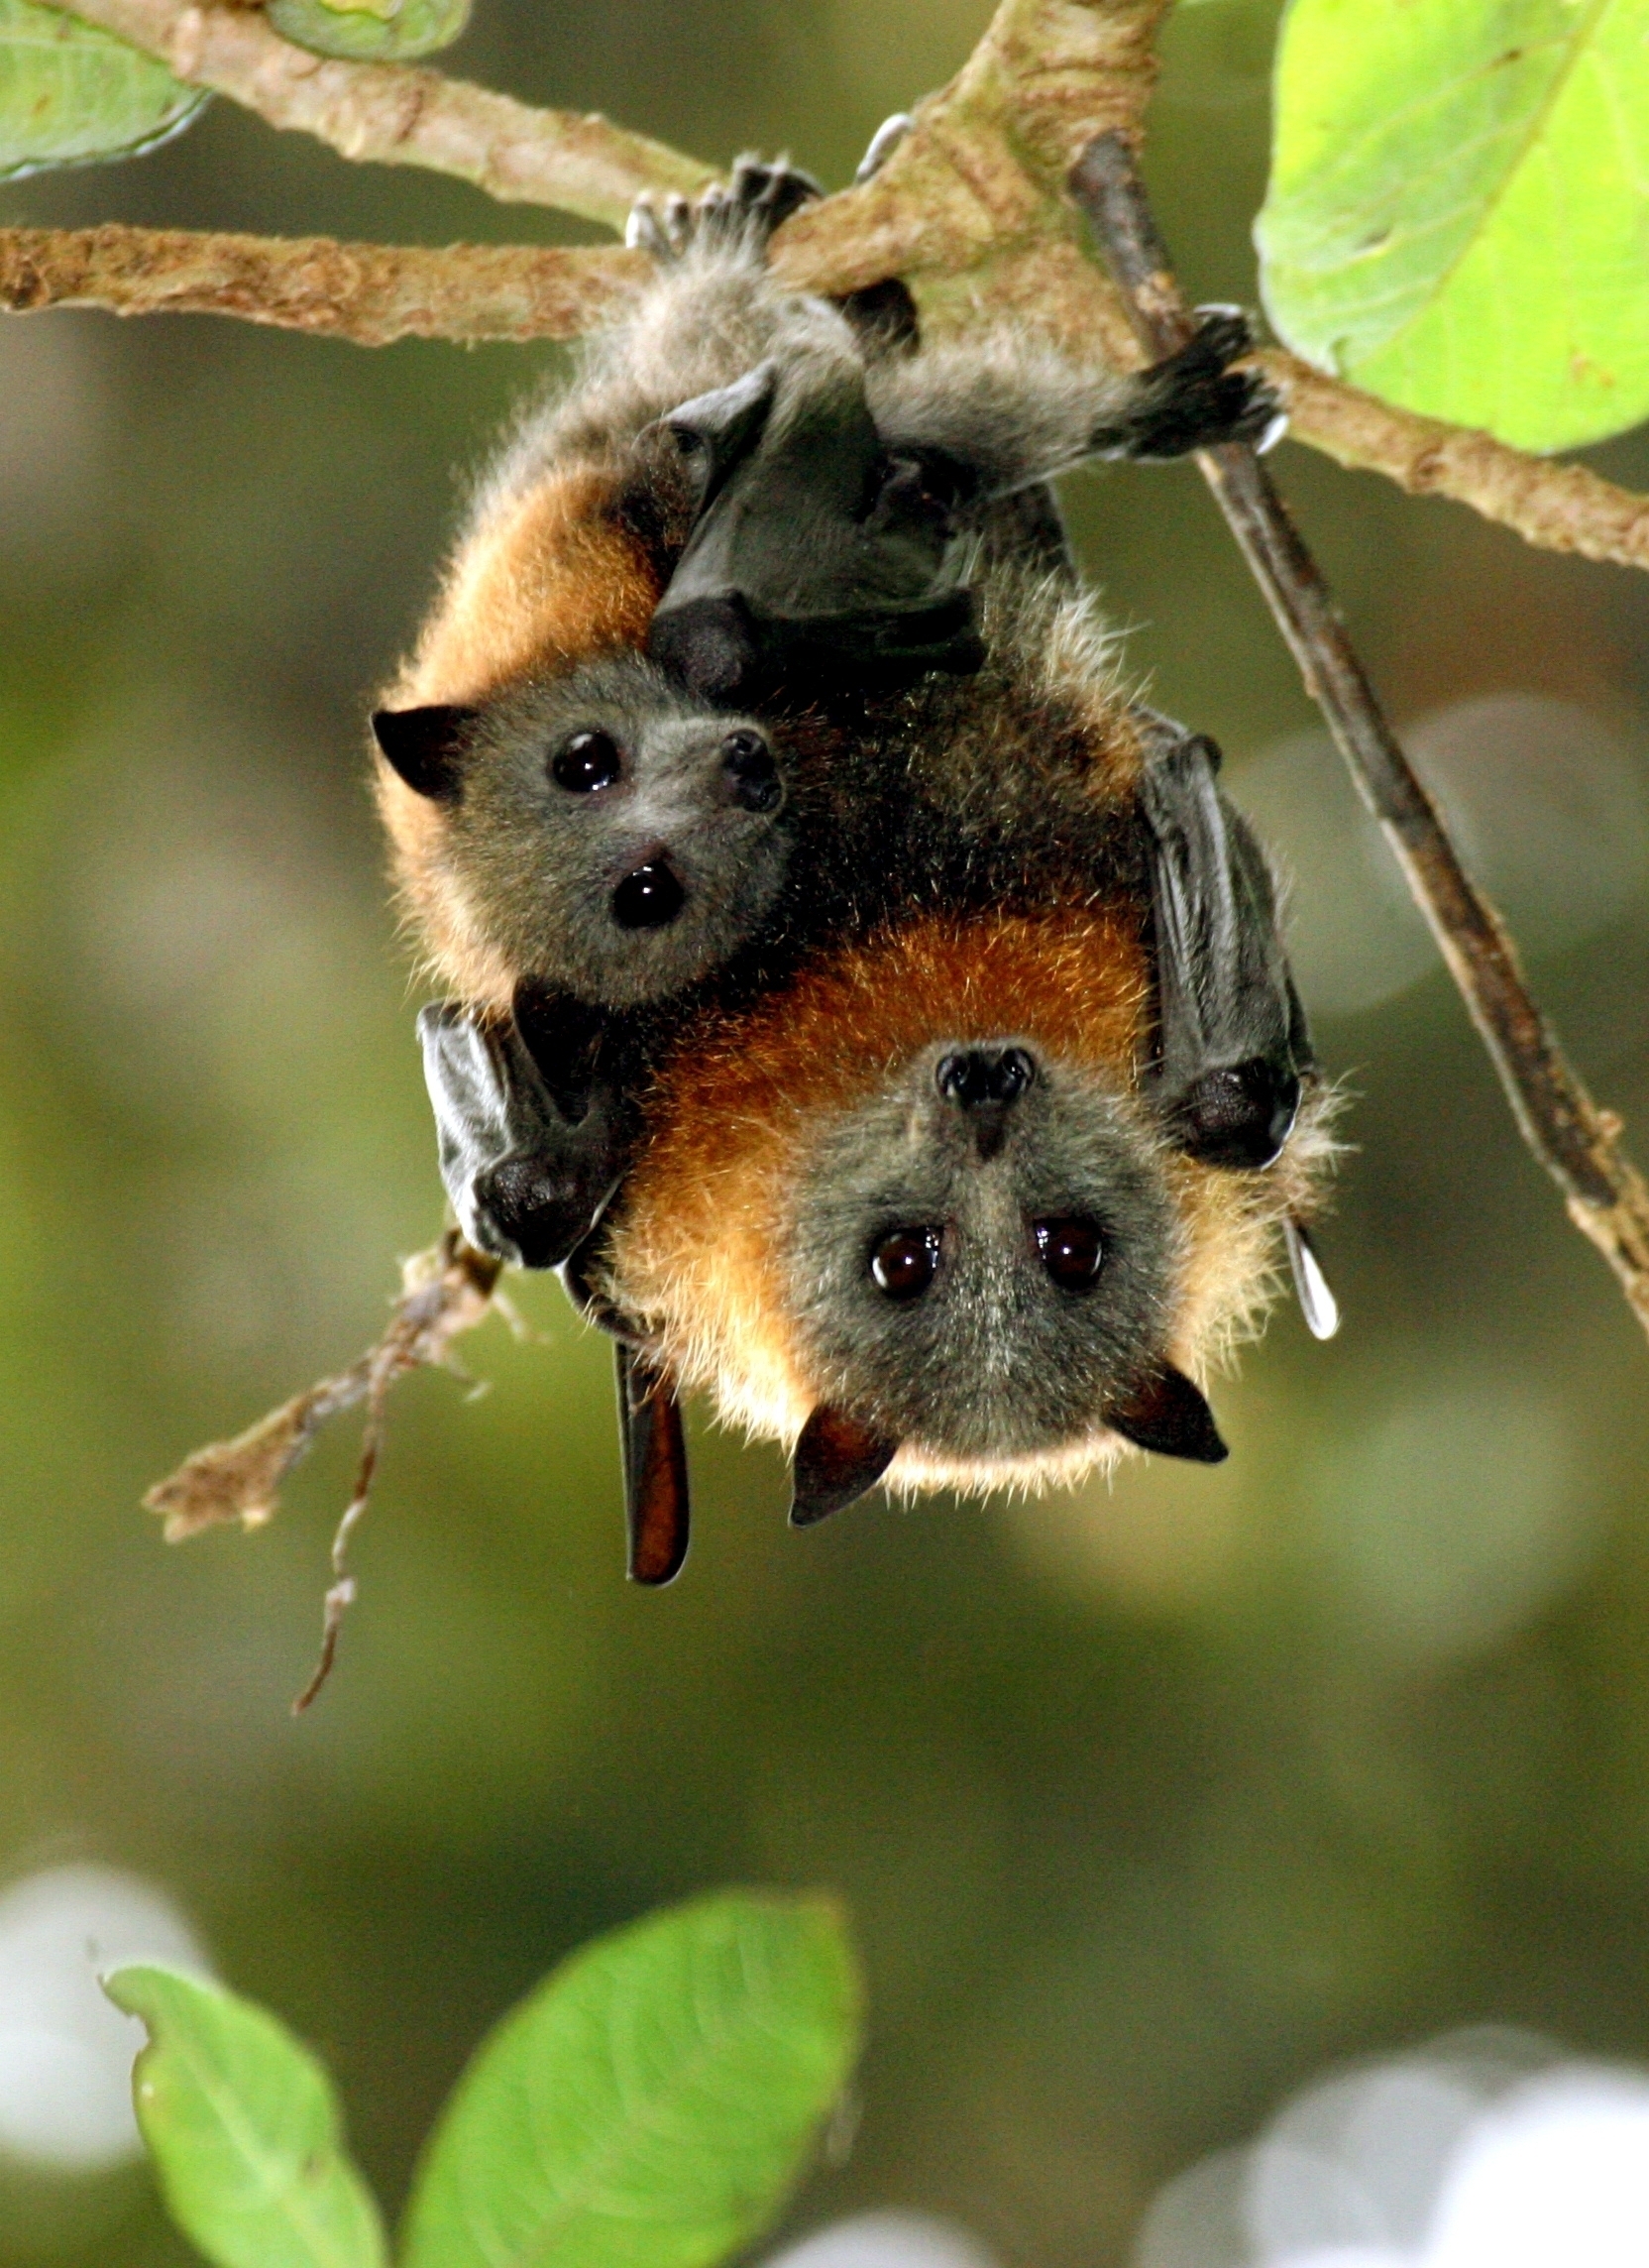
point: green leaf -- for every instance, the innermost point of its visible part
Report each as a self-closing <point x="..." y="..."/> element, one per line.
<point x="652" y="2102"/>
<point x="243" y="2126"/>
<point x="370" y="31"/>
<point x="1457" y="216"/>
<point x="71" y="95"/>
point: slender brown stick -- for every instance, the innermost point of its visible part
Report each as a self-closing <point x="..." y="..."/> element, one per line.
<point x="370" y="293"/>
<point x="396" y="114"/>
<point x="1576" y="1143"/>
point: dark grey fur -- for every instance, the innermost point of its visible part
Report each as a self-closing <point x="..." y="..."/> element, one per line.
<point x="994" y="1360"/>
<point x="544" y="862"/>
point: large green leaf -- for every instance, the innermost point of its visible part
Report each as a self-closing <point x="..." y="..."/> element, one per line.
<point x="70" y="93"/>
<point x="652" y="2102"/>
<point x="370" y="31"/>
<point x="1458" y="217"/>
<point x="243" y="2127"/>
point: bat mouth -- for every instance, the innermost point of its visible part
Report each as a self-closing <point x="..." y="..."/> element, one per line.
<point x="650" y="896"/>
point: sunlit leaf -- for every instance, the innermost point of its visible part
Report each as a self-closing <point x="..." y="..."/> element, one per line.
<point x="1457" y="216"/>
<point x="370" y="30"/>
<point x="70" y="93"/>
<point x="652" y="2102"/>
<point x="243" y="2126"/>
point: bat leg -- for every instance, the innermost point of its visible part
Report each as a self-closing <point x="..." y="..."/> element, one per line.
<point x="655" y="1469"/>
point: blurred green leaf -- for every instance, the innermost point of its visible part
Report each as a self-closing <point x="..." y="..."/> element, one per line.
<point x="1458" y="207"/>
<point x="653" y="2100"/>
<point x="71" y="95"/>
<point x="243" y="2127"/>
<point x="370" y="30"/>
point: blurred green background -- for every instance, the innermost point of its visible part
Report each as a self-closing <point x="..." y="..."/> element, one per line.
<point x="1148" y="1800"/>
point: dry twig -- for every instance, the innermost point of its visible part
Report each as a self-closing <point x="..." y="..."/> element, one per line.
<point x="1576" y="1143"/>
<point x="444" y="1292"/>
<point x="396" y="114"/>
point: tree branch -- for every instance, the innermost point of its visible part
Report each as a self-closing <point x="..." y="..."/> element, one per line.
<point x="1576" y="1143"/>
<point x="1561" y="508"/>
<point x="971" y="205"/>
<point x="371" y="293"/>
<point x="394" y="114"/>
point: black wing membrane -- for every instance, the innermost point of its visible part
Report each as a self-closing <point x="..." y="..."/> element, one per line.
<point x="1232" y="1045"/>
<point x="811" y="544"/>
<point x="654" y="1450"/>
<point x="525" y="1179"/>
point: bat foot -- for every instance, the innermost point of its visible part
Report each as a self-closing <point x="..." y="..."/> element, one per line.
<point x="738" y="215"/>
<point x="1193" y="400"/>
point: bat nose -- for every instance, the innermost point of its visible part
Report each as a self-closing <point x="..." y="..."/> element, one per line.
<point x="749" y="774"/>
<point x="975" y="1076"/>
<point x="985" y="1084"/>
<point x="650" y="897"/>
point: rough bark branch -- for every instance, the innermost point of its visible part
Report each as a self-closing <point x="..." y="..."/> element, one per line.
<point x="396" y="114"/>
<point x="1561" y="508"/>
<point x="371" y="293"/>
<point x="1577" y="1144"/>
<point x="970" y="206"/>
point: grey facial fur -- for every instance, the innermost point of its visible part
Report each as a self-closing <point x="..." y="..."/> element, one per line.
<point x="699" y="798"/>
<point x="994" y="1359"/>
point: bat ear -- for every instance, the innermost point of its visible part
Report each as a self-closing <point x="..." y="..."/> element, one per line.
<point x="1165" y="1413"/>
<point x="837" y="1460"/>
<point x="722" y="428"/>
<point x="655" y="1470"/>
<point x="426" y="747"/>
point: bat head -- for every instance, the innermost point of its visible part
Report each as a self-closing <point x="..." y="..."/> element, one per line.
<point x="983" y="1257"/>
<point x="602" y="832"/>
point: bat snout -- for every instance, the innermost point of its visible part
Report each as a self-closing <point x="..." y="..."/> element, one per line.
<point x="650" y="895"/>
<point x="985" y="1084"/>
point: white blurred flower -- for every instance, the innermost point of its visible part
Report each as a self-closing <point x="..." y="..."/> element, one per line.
<point x="1481" y="2151"/>
<point x="886" y="2241"/>
<point x="65" y="2052"/>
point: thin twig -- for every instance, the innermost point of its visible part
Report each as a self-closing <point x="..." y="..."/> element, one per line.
<point x="445" y="1292"/>
<point x="340" y="1595"/>
<point x="1576" y="1143"/>
<point x="370" y="293"/>
<point x="396" y="114"/>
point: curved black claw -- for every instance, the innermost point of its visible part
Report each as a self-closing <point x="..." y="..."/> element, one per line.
<point x="741" y="214"/>
<point x="1193" y="400"/>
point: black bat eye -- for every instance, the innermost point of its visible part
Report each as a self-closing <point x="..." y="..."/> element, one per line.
<point x="650" y="898"/>
<point x="904" y="1262"/>
<point x="587" y="761"/>
<point x="1071" y="1251"/>
<point x="752" y="775"/>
